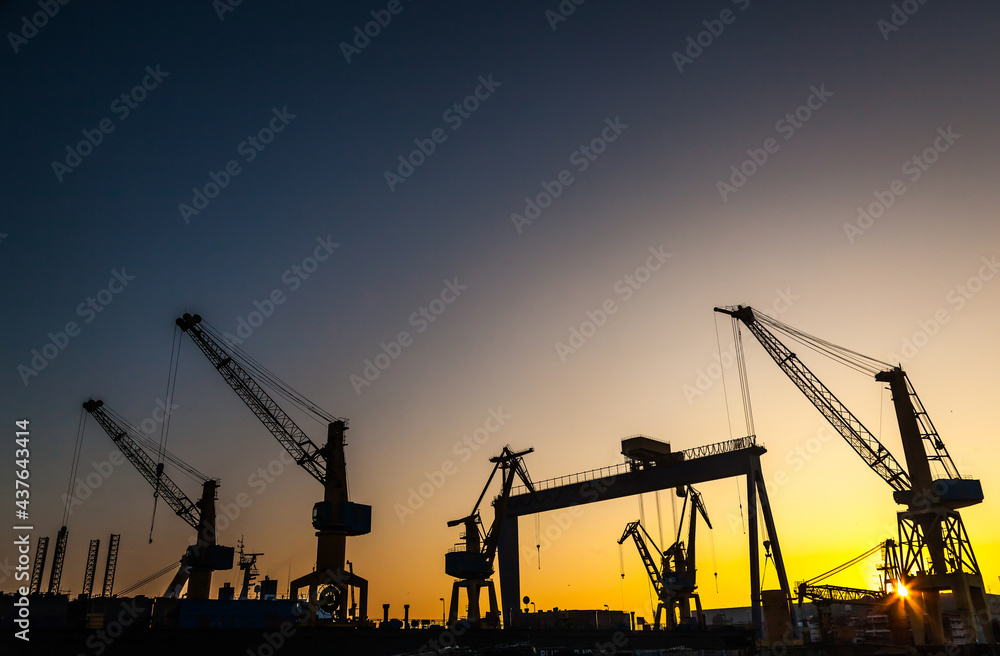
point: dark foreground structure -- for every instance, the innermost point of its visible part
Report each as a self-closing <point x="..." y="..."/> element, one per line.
<point x="377" y="642"/>
<point x="374" y="642"/>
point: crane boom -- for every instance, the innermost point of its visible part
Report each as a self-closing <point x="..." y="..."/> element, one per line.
<point x="204" y="556"/>
<point x="632" y="530"/>
<point x="697" y="506"/>
<point x="284" y="429"/>
<point x="875" y="455"/>
<point x="153" y="473"/>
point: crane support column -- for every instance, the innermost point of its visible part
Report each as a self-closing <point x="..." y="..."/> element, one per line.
<point x="772" y="533"/>
<point x="755" y="612"/>
<point x="334" y="519"/>
<point x="200" y="583"/>
<point x="509" y="562"/>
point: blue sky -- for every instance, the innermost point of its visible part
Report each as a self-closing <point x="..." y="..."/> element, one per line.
<point x="548" y="90"/>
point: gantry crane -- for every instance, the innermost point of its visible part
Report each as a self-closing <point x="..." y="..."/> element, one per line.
<point x="205" y="556"/>
<point x="472" y="560"/>
<point x="336" y="517"/>
<point x="936" y="554"/>
<point x="674" y="581"/>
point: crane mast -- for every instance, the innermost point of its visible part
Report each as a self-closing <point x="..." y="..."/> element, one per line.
<point x="336" y="517"/>
<point x="205" y="556"/>
<point x="936" y="554"/>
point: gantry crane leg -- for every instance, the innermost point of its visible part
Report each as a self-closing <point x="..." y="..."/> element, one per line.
<point x="473" y="588"/>
<point x="700" y="614"/>
<point x="453" y="607"/>
<point x="342" y="580"/>
<point x="659" y="613"/>
<point x="684" y="606"/>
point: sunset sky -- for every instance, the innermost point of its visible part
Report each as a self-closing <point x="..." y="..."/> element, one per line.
<point x="488" y="179"/>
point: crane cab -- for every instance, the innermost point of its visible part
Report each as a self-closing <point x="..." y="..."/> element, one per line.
<point x="351" y="518"/>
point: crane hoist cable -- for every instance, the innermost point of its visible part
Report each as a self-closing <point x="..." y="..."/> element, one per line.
<point x="744" y="381"/>
<point x="149" y="579"/>
<point x="725" y="389"/>
<point x="164" y="427"/>
<point x="840" y="568"/>
<point x="857" y="361"/>
<point x="538" y="539"/>
<point x="151" y="447"/>
<point x="739" y="499"/>
<point x="715" y="562"/>
<point x="659" y="515"/>
<point x="175" y="357"/>
<point x="75" y="465"/>
<point x="265" y="378"/>
<point x="269" y="379"/>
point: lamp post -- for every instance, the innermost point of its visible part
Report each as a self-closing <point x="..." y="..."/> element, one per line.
<point x="443" y="622"/>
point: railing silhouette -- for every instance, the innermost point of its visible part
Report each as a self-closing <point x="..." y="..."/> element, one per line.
<point x="625" y="467"/>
